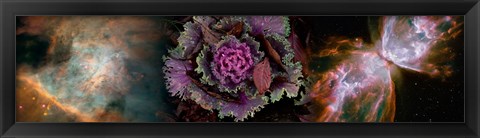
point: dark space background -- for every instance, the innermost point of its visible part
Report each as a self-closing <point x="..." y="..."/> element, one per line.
<point x="419" y="98"/>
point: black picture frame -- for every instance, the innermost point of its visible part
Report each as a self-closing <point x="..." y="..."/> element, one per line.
<point x="11" y="8"/>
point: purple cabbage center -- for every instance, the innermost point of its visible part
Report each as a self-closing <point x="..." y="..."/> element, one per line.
<point x="232" y="63"/>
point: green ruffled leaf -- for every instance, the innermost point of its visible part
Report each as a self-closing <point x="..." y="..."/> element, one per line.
<point x="227" y="23"/>
<point x="243" y="110"/>
<point x="293" y="76"/>
<point x="280" y="88"/>
<point x="189" y="42"/>
<point x="265" y="25"/>
<point x="176" y="77"/>
<point x="204" y="66"/>
<point x="254" y="47"/>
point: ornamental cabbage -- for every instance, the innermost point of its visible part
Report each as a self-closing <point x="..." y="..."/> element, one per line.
<point x="214" y="63"/>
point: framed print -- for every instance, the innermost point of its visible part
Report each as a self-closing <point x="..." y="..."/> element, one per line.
<point x="239" y="68"/>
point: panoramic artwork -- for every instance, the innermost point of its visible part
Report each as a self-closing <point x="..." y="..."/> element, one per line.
<point x="240" y="69"/>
